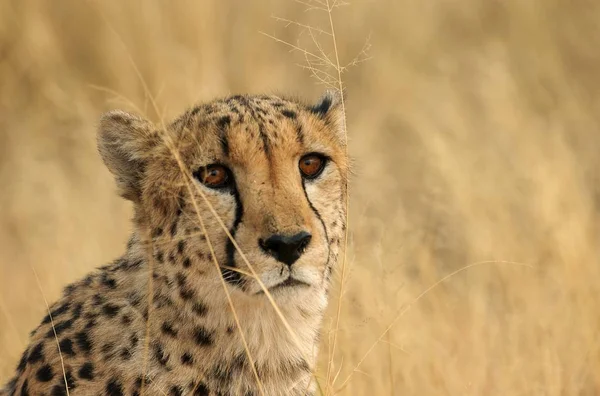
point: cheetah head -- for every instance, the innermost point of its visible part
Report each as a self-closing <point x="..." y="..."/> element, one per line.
<point x="237" y="190"/>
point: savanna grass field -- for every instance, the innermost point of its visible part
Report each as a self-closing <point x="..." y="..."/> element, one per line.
<point x="473" y="258"/>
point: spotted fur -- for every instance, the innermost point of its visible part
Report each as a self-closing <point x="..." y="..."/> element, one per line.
<point x="158" y="317"/>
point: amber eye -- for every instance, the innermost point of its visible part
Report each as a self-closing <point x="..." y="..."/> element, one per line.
<point x="213" y="176"/>
<point x="311" y="165"/>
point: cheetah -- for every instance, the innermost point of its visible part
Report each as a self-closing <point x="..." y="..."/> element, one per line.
<point x="239" y="206"/>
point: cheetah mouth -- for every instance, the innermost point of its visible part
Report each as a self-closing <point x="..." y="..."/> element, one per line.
<point x="290" y="282"/>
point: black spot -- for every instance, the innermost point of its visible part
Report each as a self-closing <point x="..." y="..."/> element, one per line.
<point x="44" y="373"/>
<point x="91" y="323"/>
<point x="222" y="372"/>
<point x="77" y="311"/>
<point x="126" y="320"/>
<point x="185" y="291"/>
<point x="176" y="391"/>
<point x="107" y="348"/>
<point x="36" y="354"/>
<point x="157" y="232"/>
<point x="25" y="388"/>
<point x="97" y="300"/>
<point x="168" y="330"/>
<point x="201" y="390"/>
<point x="108" y="281"/>
<point x="66" y="347"/>
<point x="289" y="114"/>
<point x="60" y="310"/>
<point x="187" y="262"/>
<point x="194" y="111"/>
<point x="59" y="328"/>
<point x="68" y="291"/>
<point x="114" y="388"/>
<point x="88" y="280"/>
<point x="83" y="341"/>
<point x="134" y="299"/>
<point x="230" y="330"/>
<point x="203" y="337"/>
<point x="56" y="312"/>
<point x="125" y="354"/>
<point x="61" y="388"/>
<point x="180" y="246"/>
<point x="110" y="310"/>
<point x="300" y="135"/>
<point x="11" y="387"/>
<point x="199" y="309"/>
<point x="160" y="256"/>
<point x="187" y="359"/>
<point x="58" y="390"/>
<point x="133" y="265"/>
<point x="174" y="229"/>
<point x="23" y="362"/>
<point x="133" y="340"/>
<point x="86" y="371"/>
<point x="160" y="354"/>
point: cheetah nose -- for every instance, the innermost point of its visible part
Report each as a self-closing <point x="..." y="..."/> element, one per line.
<point x="286" y="248"/>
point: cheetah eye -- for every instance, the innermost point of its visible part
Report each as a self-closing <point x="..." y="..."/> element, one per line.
<point x="214" y="176"/>
<point x="311" y="165"/>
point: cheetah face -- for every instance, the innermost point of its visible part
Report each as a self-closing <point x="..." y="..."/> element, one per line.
<point x="269" y="172"/>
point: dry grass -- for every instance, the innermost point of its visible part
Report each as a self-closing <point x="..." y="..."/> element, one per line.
<point x="475" y="132"/>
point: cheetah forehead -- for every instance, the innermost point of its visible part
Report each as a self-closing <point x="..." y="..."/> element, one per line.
<point x="237" y="126"/>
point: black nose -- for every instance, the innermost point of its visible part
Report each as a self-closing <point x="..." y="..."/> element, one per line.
<point x="284" y="248"/>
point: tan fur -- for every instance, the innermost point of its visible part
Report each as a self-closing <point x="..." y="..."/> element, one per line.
<point x="194" y="345"/>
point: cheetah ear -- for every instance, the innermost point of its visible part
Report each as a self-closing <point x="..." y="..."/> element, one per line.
<point x="124" y="143"/>
<point x="330" y="108"/>
<point x="329" y="102"/>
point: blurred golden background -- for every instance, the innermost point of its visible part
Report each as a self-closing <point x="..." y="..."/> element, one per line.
<point x="475" y="200"/>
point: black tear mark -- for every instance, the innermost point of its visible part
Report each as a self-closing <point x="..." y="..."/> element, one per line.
<point x="233" y="277"/>
<point x="320" y="219"/>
